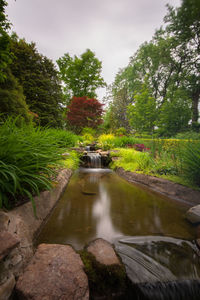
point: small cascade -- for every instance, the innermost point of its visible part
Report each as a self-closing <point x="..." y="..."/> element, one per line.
<point x="161" y="268"/>
<point x="87" y="148"/>
<point x="94" y="160"/>
<point x="172" y="290"/>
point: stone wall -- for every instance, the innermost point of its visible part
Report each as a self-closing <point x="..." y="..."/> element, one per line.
<point x="18" y="230"/>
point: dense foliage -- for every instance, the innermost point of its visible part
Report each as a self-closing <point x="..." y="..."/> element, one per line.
<point x="5" y="54"/>
<point x="81" y="75"/>
<point x="12" y="99"/>
<point x="84" y="112"/>
<point x="28" y="159"/>
<point x="159" y="90"/>
<point x="39" y="79"/>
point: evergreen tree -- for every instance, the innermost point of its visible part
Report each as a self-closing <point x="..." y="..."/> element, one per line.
<point x="39" y="79"/>
<point x="12" y="99"/>
<point x="5" y="54"/>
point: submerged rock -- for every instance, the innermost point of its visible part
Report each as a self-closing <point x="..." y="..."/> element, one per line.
<point x="55" y="272"/>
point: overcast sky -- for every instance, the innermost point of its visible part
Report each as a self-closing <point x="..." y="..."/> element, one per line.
<point x="113" y="29"/>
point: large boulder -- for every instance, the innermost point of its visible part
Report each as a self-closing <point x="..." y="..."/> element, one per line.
<point x="193" y="214"/>
<point x="55" y="272"/>
<point x="103" y="252"/>
<point x="106" y="274"/>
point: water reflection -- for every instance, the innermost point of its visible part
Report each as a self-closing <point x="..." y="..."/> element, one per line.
<point x="101" y="210"/>
<point x="97" y="203"/>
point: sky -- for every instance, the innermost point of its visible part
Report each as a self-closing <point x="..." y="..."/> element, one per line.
<point x="113" y="29"/>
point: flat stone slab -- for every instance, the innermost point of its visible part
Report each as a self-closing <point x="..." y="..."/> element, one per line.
<point x="7" y="243"/>
<point x="103" y="252"/>
<point x="55" y="273"/>
<point x="193" y="214"/>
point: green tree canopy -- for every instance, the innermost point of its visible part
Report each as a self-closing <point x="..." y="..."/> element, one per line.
<point x="5" y="54"/>
<point x="12" y="98"/>
<point x="80" y="75"/>
<point x="39" y="79"/>
<point x="142" y="112"/>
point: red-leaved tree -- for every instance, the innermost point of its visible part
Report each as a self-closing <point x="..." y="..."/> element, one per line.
<point x="84" y="112"/>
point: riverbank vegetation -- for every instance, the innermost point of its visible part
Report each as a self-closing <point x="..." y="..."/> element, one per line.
<point x="29" y="158"/>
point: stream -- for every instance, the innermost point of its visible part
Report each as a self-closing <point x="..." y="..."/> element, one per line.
<point x="149" y="231"/>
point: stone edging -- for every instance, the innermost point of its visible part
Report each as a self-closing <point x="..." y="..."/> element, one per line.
<point x="172" y="190"/>
<point x="21" y="228"/>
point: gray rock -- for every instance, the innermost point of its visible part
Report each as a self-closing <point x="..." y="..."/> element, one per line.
<point x="103" y="252"/>
<point x="55" y="272"/>
<point x="193" y="214"/>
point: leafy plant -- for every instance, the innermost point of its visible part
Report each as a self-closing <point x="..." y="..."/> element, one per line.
<point x="191" y="162"/>
<point x="106" y="141"/>
<point x="132" y="160"/>
<point x="28" y="158"/>
<point x="83" y="112"/>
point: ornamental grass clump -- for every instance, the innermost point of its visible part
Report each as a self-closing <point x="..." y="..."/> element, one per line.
<point x="28" y="158"/>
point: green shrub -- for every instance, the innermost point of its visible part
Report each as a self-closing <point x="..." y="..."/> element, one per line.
<point x="106" y="141"/>
<point x="88" y="130"/>
<point x="191" y="162"/>
<point x="188" y="135"/>
<point x="121" y="131"/>
<point x="132" y="160"/>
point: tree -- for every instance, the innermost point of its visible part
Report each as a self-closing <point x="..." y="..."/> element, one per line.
<point x="84" y="112"/>
<point x="175" y="115"/>
<point x="5" y="54"/>
<point x="81" y="76"/>
<point x="142" y="112"/>
<point x="39" y="79"/>
<point x="12" y="98"/>
<point x="184" y="26"/>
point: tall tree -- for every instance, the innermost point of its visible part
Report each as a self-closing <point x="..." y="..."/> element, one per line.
<point x="5" y="54"/>
<point x="39" y="79"/>
<point x="81" y="75"/>
<point x="183" y="24"/>
<point x="84" y="112"/>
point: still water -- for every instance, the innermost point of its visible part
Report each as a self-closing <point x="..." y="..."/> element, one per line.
<point x="98" y="203"/>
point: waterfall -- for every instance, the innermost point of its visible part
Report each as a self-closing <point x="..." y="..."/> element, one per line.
<point x="94" y="160"/>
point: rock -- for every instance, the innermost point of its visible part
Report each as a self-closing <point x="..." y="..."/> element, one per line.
<point x="8" y="242"/>
<point x="152" y="259"/>
<point x="104" y="153"/>
<point x="115" y="158"/>
<point x="55" y="272"/>
<point x="66" y="154"/>
<point x="193" y="214"/>
<point x="106" y="275"/>
<point x="4" y="221"/>
<point x="99" y="150"/>
<point x="7" y="287"/>
<point x="103" y="252"/>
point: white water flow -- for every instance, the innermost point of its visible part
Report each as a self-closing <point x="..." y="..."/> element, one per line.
<point x="94" y="160"/>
